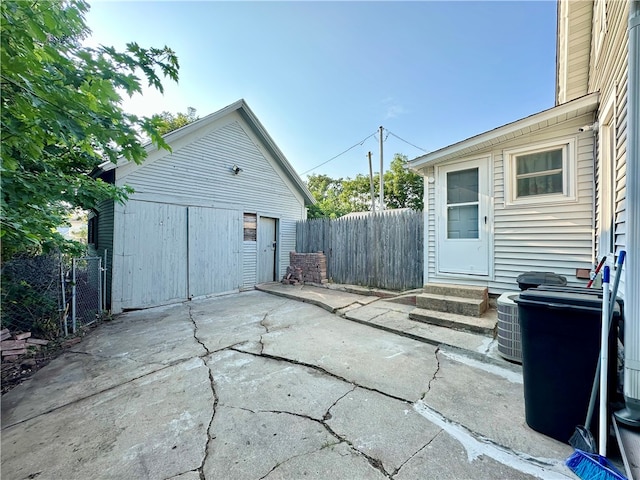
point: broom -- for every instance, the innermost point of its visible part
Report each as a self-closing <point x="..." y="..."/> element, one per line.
<point x="582" y="439"/>
<point x="585" y="465"/>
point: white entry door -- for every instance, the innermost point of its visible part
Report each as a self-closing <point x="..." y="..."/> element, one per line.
<point x="267" y="248"/>
<point x="463" y="218"/>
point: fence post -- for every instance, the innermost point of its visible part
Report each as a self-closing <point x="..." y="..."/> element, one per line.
<point x="63" y="318"/>
<point x="73" y="295"/>
<point x="99" y="272"/>
<point x="104" y="282"/>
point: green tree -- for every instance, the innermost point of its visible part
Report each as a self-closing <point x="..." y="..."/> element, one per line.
<point x="170" y="122"/>
<point x="327" y="192"/>
<point x="61" y="117"/>
<point x="339" y="196"/>
<point x="402" y="187"/>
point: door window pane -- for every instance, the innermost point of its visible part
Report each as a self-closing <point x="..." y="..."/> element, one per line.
<point x="462" y="221"/>
<point x="462" y="186"/>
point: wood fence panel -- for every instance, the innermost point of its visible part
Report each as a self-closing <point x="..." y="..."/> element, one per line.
<point x="384" y="250"/>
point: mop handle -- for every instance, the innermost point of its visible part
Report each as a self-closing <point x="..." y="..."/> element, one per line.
<point x="604" y="355"/>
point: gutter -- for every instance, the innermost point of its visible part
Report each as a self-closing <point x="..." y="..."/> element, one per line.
<point x="630" y="415"/>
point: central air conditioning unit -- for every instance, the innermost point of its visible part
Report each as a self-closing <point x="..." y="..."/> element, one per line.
<point x="509" y="342"/>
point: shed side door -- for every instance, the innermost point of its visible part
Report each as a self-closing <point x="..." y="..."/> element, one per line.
<point x="267" y="249"/>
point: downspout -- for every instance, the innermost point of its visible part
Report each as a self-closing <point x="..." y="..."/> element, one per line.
<point x="630" y="415"/>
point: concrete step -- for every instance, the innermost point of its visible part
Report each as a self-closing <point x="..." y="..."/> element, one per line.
<point x="450" y="290"/>
<point x="472" y="307"/>
<point x="485" y="325"/>
<point x="394" y="318"/>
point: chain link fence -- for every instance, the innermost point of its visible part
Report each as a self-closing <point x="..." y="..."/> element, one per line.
<point x="32" y="294"/>
<point x="50" y="295"/>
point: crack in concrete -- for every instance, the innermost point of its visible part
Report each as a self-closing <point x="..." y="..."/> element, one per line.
<point x="213" y="392"/>
<point x="397" y="470"/>
<point x="210" y="426"/>
<point x="327" y="415"/>
<point x="100" y="392"/>
<point x="433" y="378"/>
<point x="322" y="370"/>
<point x="374" y="462"/>
<point x="195" y="331"/>
<point x="262" y="324"/>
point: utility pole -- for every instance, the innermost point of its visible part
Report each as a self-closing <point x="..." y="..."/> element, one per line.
<point x="373" y="198"/>
<point x="381" y="173"/>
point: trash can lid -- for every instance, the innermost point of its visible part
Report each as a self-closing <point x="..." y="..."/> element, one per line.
<point x="563" y="299"/>
<point x="541" y="278"/>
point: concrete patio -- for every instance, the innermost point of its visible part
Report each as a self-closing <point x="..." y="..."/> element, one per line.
<point x="253" y="385"/>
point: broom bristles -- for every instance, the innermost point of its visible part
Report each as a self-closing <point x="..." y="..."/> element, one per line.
<point x="593" y="467"/>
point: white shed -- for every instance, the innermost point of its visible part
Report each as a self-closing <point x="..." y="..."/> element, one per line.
<point x="217" y="214"/>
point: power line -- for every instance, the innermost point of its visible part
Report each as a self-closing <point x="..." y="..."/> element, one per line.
<point x="408" y="143"/>
<point x="340" y="154"/>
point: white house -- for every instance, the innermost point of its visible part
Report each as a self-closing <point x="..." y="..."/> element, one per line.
<point x="216" y="214"/>
<point x="555" y="191"/>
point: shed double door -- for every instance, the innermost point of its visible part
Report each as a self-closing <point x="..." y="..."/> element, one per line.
<point x="172" y="253"/>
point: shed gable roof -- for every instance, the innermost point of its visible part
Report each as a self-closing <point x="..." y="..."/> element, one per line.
<point x="242" y="109"/>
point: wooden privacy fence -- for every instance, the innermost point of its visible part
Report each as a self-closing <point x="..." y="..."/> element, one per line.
<point x="382" y="250"/>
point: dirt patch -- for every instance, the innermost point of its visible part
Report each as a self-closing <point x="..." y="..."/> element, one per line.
<point x="16" y="372"/>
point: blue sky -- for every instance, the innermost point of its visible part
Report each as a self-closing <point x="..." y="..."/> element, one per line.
<point x="322" y="76"/>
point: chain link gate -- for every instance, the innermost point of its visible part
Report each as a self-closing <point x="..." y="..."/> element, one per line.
<point x="87" y="300"/>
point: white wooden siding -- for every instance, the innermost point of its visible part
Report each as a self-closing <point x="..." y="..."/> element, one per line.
<point x="249" y="264"/>
<point x="199" y="173"/>
<point x="555" y="238"/>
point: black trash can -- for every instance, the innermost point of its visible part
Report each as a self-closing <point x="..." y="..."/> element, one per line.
<point x="535" y="279"/>
<point x="560" y="334"/>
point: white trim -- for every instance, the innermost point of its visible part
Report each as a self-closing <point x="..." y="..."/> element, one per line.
<point x="606" y="175"/>
<point x="569" y="174"/>
<point x="482" y="162"/>
<point x="545" y="119"/>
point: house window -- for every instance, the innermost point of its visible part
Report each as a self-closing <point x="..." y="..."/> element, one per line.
<point x="92" y="231"/>
<point x="250" y="227"/>
<point x="539" y="174"/>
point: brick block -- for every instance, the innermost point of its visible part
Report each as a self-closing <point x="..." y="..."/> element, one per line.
<point x="37" y="341"/>
<point x="22" y="336"/>
<point x="12" y="344"/>
<point x="16" y="351"/>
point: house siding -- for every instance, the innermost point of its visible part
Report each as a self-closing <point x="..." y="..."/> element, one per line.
<point x="574" y="40"/>
<point x="194" y="181"/>
<point x="105" y="212"/>
<point x="556" y="237"/>
<point x="608" y="74"/>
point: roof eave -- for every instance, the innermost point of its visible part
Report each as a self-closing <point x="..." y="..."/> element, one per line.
<point x="518" y="128"/>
